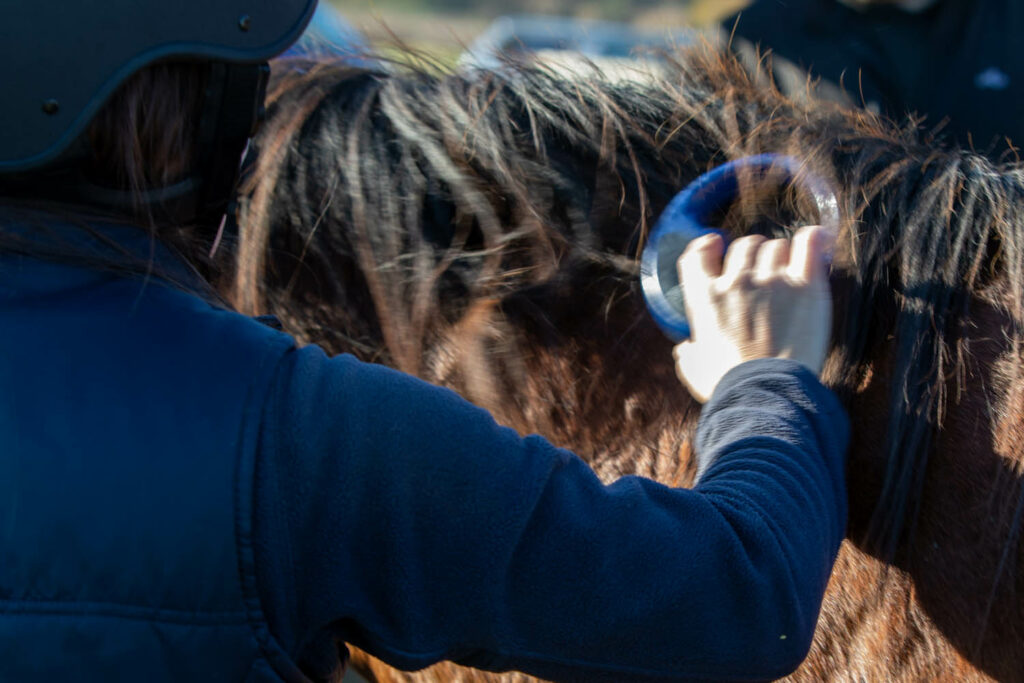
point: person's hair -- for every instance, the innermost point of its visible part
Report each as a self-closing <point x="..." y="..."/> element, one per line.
<point x="143" y="138"/>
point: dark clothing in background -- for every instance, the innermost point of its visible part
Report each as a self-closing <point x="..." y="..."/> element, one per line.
<point x="958" y="59"/>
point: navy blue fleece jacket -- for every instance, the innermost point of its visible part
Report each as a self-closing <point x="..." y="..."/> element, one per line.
<point x="185" y="495"/>
<point x="397" y="517"/>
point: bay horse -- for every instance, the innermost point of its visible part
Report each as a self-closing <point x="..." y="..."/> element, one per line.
<point x="481" y="230"/>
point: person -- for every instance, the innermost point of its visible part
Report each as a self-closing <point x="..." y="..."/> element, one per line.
<point x="954" y="62"/>
<point x="187" y="495"/>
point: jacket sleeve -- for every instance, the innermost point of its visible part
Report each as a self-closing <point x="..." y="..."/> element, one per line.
<point x="393" y="515"/>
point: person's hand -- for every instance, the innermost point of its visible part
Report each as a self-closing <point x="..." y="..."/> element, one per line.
<point x="769" y="299"/>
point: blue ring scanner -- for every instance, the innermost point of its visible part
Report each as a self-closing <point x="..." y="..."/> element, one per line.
<point x="685" y="218"/>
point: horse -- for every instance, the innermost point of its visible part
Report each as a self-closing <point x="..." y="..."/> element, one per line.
<point x="481" y="230"/>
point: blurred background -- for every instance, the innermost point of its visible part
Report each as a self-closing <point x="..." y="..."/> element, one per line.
<point x="445" y="28"/>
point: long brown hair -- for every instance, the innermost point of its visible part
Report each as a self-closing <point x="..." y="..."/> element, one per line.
<point x="144" y="137"/>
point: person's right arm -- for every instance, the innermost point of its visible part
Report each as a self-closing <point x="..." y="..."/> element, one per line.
<point x="396" y="516"/>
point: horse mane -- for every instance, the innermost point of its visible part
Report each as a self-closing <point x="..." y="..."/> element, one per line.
<point x="392" y="211"/>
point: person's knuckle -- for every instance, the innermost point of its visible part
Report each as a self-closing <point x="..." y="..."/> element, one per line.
<point x="744" y="280"/>
<point x="717" y="290"/>
<point x="705" y="241"/>
<point x="749" y="242"/>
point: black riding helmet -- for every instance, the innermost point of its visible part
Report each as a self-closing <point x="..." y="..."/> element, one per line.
<point x="62" y="60"/>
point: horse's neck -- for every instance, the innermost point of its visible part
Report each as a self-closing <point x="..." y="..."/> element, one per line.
<point x="600" y="383"/>
<point x="948" y="609"/>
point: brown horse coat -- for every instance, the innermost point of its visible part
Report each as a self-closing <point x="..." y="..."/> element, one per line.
<point x="480" y="230"/>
